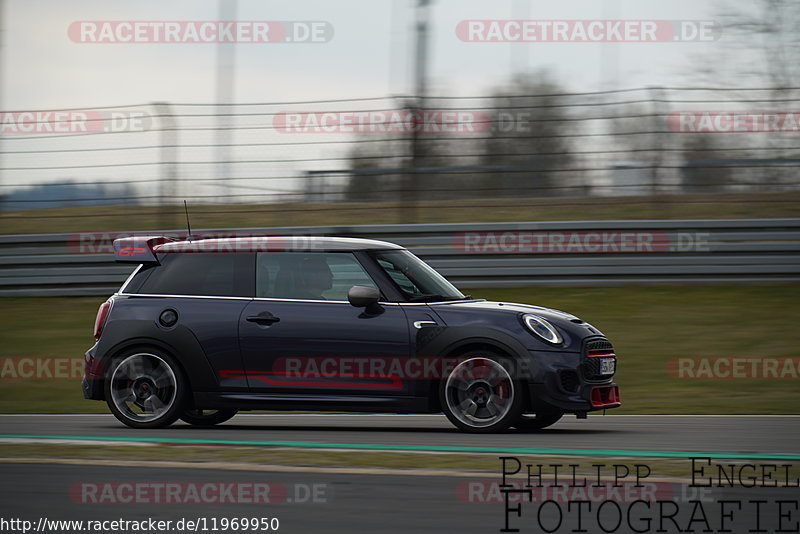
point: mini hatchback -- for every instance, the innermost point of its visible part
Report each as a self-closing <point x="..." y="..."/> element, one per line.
<point x="205" y="328"/>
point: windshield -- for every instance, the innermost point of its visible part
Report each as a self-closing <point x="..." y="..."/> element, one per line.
<point x="416" y="279"/>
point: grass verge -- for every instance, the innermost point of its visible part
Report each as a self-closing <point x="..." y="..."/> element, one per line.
<point x="648" y="325"/>
<point x="135" y="218"/>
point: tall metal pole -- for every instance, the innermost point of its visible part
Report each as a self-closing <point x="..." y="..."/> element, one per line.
<point x="226" y="69"/>
<point x="609" y="59"/>
<point x="660" y="110"/>
<point x="420" y="91"/>
<point x="2" y="38"/>
<point x="167" y="190"/>
<point x="519" y="54"/>
<point x="421" y="51"/>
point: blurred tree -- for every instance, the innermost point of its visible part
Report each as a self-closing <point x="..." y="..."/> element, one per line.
<point x="368" y="156"/>
<point x="764" y="37"/>
<point x="767" y="28"/>
<point x="704" y="169"/>
<point x="636" y="141"/>
<point x="761" y="49"/>
<point x="529" y="133"/>
<point x="517" y="142"/>
<point x="382" y="166"/>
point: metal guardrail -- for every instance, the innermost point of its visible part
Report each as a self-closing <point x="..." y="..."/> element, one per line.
<point x="594" y="253"/>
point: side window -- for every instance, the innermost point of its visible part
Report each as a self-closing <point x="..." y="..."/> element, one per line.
<point x="309" y="276"/>
<point x="399" y="277"/>
<point x="209" y="274"/>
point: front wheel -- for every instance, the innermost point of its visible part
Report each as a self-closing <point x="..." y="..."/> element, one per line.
<point x="145" y="389"/>
<point x="206" y="417"/>
<point x="480" y="394"/>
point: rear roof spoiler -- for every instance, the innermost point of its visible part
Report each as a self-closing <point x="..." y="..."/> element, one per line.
<point x="137" y="249"/>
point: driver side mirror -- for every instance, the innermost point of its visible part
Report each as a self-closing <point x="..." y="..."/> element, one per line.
<point x="366" y="297"/>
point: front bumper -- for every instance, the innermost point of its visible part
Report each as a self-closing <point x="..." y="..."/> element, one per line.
<point x="589" y="398"/>
<point x="565" y="382"/>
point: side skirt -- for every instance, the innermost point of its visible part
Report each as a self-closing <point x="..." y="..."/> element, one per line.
<point x="332" y="403"/>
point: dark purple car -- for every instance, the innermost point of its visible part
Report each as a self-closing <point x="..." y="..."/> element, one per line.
<point x="205" y="328"/>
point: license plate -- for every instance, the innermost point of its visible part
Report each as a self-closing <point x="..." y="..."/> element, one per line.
<point x="608" y="366"/>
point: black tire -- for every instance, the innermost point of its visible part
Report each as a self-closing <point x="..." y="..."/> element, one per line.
<point x="465" y="390"/>
<point x="145" y="388"/>
<point x="206" y="417"/>
<point x="538" y="421"/>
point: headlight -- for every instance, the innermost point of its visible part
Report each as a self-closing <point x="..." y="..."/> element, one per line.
<point x="543" y="329"/>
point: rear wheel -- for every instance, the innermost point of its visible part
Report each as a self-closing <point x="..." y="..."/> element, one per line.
<point x="537" y="421"/>
<point x="480" y="394"/>
<point x="145" y="389"/>
<point x="206" y="417"/>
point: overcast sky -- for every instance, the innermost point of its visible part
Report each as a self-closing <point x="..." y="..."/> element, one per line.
<point x="369" y="54"/>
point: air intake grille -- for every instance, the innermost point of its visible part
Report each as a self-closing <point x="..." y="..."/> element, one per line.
<point x="595" y="351"/>
<point x="569" y="381"/>
<point x="599" y="344"/>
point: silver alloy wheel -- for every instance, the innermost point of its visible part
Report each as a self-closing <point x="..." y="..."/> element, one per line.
<point x="479" y="392"/>
<point x="143" y="387"/>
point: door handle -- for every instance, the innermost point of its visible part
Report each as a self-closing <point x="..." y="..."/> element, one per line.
<point x="263" y="318"/>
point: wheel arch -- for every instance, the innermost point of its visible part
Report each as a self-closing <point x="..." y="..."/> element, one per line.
<point x="190" y="372"/>
<point x="473" y="343"/>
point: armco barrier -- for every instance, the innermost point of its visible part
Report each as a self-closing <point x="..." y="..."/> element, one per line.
<point x="591" y="253"/>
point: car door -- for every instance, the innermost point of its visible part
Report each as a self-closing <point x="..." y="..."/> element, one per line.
<point x="300" y="335"/>
<point x="206" y="294"/>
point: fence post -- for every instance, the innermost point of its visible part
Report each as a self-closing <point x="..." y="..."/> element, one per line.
<point x="660" y="114"/>
<point x="167" y="185"/>
<point x="410" y="212"/>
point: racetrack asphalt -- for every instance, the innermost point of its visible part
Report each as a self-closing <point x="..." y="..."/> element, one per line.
<point x="309" y="503"/>
<point x="694" y="434"/>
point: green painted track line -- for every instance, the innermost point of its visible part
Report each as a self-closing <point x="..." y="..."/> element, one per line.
<point x="423" y="448"/>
